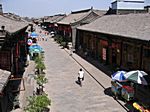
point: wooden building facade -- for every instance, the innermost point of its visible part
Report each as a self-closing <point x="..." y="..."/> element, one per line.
<point x="13" y="51"/>
<point x="125" y="45"/>
<point x="50" y="23"/>
<point x="68" y="25"/>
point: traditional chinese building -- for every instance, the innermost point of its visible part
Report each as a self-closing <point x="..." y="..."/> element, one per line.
<point x="117" y="40"/>
<point x="12" y="56"/>
<point x="67" y="26"/>
<point x="50" y="23"/>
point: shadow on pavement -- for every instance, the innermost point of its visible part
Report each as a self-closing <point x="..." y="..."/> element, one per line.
<point x="103" y="67"/>
<point x="77" y="82"/>
<point x="127" y="106"/>
<point x="108" y="92"/>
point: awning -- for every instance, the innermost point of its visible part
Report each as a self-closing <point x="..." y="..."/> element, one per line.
<point x="35" y="49"/>
<point x="4" y="75"/>
<point x="33" y="35"/>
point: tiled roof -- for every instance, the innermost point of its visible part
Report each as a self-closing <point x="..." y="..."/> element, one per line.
<point x="12" y="16"/>
<point x="100" y="12"/>
<point x="74" y="17"/>
<point x="4" y="75"/>
<point x="55" y="18"/>
<point x="79" y="15"/>
<point x="132" y="25"/>
<point x="11" y="25"/>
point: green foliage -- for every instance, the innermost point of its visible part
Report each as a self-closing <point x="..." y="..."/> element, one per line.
<point x="37" y="103"/>
<point x="59" y="39"/>
<point x="40" y="65"/>
<point x="41" y="79"/>
<point x="63" y="44"/>
<point x="38" y="59"/>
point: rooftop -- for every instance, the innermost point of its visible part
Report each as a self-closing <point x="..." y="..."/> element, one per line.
<point x="4" y="75"/>
<point x="135" y="26"/>
<point x="73" y="17"/>
<point x="11" y="25"/>
<point x="79" y="15"/>
<point x="55" y="18"/>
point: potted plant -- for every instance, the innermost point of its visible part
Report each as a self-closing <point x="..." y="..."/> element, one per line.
<point x="41" y="80"/>
<point x="38" y="59"/>
<point x="40" y="66"/>
<point x="38" y="103"/>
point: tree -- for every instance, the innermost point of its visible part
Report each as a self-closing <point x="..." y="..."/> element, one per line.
<point x="38" y="59"/>
<point x="37" y="103"/>
<point x="40" y="66"/>
<point x="41" y="80"/>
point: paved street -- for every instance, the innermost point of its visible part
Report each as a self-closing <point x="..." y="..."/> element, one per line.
<point x="65" y="93"/>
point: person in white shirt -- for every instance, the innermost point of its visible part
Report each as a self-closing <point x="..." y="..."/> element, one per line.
<point x="81" y="74"/>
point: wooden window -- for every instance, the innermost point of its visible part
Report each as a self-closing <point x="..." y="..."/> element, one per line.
<point x="147" y="53"/>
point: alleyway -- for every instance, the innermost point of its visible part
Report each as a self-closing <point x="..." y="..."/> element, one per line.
<point x="65" y="93"/>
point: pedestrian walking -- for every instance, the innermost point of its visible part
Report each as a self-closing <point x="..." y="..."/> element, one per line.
<point x="71" y="51"/>
<point x="80" y="76"/>
<point x="70" y="48"/>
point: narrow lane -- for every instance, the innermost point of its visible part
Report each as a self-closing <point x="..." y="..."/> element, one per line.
<point x="66" y="95"/>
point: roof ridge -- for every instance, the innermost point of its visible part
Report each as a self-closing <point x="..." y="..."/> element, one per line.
<point x="81" y="11"/>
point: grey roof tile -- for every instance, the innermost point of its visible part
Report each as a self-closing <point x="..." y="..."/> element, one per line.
<point x="11" y="25"/>
<point x="132" y="25"/>
<point x="55" y="18"/>
<point x="4" y="75"/>
<point x="100" y="12"/>
<point x="79" y="15"/>
<point x="73" y="17"/>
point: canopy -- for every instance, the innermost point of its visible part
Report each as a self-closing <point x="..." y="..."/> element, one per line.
<point x="119" y="76"/>
<point x="35" y="48"/>
<point x="137" y="76"/>
<point x="33" y="35"/>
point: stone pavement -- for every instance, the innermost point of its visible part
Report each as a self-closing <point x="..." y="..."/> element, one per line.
<point x="29" y="86"/>
<point x="100" y="77"/>
<point x="62" y="89"/>
<point x="65" y="93"/>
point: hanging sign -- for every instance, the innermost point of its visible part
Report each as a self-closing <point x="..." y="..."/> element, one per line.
<point x="29" y="42"/>
<point x="104" y="54"/>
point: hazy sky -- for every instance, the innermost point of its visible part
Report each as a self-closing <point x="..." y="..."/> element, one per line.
<point x="39" y="8"/>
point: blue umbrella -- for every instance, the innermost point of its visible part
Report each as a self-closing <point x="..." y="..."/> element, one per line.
<point x="33" y="35"/>
<point x="35" y="47"/>
<point x="36" y="51"/>
<point x="119" y="76"/>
